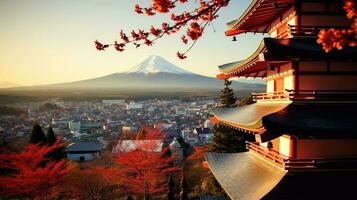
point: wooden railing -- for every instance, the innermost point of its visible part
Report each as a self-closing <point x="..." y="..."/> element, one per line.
<point x="307" y="95"/>
<point x="321" y="164"/>
<point x="268" y="154"/>
<point x="270" y="96"/>
<point x="292" y="164"/>
<point x="323" y="95"/>
<point x="309" y="30"/>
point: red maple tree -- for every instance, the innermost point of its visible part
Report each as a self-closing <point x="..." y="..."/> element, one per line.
<point x="196" y="20"/>
<point x="31" y="174"/>
<point x="144" y="169"/>
<point x="93" y="184"/>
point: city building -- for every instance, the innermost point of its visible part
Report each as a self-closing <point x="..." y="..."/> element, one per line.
<point x="133" y="106"/>
<point x="304" y="125"/>
<point x="110" y="102"/>
<point x="83" y="151"/>
<point x="204" y="135"/>
<point x="74" y="125"/>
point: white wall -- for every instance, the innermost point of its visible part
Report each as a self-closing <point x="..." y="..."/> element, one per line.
<point x="289" y="82"/>
<point x="270" y="86"/>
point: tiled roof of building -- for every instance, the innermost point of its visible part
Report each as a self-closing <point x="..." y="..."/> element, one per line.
<point x="272" y="49"/>
<point x="247" y="117"/>
<point x="89" y="146"/>
<point x="244" y="176"/>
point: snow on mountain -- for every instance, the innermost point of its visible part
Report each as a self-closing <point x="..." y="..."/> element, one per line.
<point x="155" y="64"/>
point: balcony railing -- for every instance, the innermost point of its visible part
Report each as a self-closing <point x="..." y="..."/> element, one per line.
<point x="323" y="95"/>
<point x="270" y="96"/>
<point x="309" y="30"/>
<point x="268" y="154"/>
<point x="307" y="95"/>
<point x="292" y="164"/>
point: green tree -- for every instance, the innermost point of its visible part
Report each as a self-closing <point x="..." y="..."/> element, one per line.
<point x="246" y="100"/>
<point x="225" y="139"/>
<point x="55" y="154"/>
<point x="228" y="140"/>
<point x="50" y="136"/>
<point x="37" y="135"/>
<point x="170" y="195"/>
<point x="228" y="99"/>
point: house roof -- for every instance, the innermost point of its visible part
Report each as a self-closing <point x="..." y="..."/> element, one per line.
<point x="278" y="51"/>
<point x="314" y="119"/>
<point x="244" y="176"/>
<point x="89" y="146"/>
<point x="203" y="130"/>
<point x="247" y="117"/>
<point x="258" y="16"/>
<point x="144" y="145"/>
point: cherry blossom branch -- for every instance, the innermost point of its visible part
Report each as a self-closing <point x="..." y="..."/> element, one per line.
<point x="206" y="13"/>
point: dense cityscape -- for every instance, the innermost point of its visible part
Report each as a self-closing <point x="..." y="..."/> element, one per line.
<point x="110" y="119"/>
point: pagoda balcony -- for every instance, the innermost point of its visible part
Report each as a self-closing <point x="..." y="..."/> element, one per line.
<point x="301" y="164"/>
<point x="271" y="96"/>
<point x="268" y="154"/>
<point x="307" y="95"/>
<point x="313" y="31"/>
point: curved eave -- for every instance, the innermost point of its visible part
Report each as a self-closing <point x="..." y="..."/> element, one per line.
<point x="257" y="17"/>
<point x="247" y="118"/>
<point x="240" y="67"/>
<point x="244" y="176"/>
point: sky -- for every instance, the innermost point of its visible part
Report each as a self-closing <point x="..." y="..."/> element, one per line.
<point x="51" y="41"/>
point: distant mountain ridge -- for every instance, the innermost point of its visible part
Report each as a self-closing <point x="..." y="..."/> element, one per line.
<point x="7" y="84"/>
<point x="153" y="73"/>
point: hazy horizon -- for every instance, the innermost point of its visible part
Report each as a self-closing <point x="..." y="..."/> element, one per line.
<point x="46" y="42"/>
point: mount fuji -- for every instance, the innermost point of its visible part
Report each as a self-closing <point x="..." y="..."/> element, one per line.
<point x="153" y="73"/>
<point x="156" y="64"/>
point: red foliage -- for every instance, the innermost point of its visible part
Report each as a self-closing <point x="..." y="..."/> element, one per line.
<point x="145" y="165"/>
<point x="198" y="154"/>
<point x="30" y="174"/>
<point x="204" y="13"/>
<point x="94" y="183"/>
<point x="339" y="38"/>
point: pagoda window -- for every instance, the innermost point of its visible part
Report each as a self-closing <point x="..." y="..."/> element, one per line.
<point x="285" y="145"/>
<point x="288" y="83"/>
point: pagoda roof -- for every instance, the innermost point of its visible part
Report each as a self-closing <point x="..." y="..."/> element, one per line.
<point x="244" y="176"/>
<point x="247" y="117"/>
<point x="258" y="16"/>
<point x="271" y="120"/>
<point x="279" y="51"/>
<point x="314" y="119"/>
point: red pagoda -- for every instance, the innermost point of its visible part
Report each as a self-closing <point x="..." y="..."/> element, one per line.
<point x="305" y="124"/>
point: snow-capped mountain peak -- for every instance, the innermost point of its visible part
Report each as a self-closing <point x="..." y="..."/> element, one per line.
<point x="155" y="64"/>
